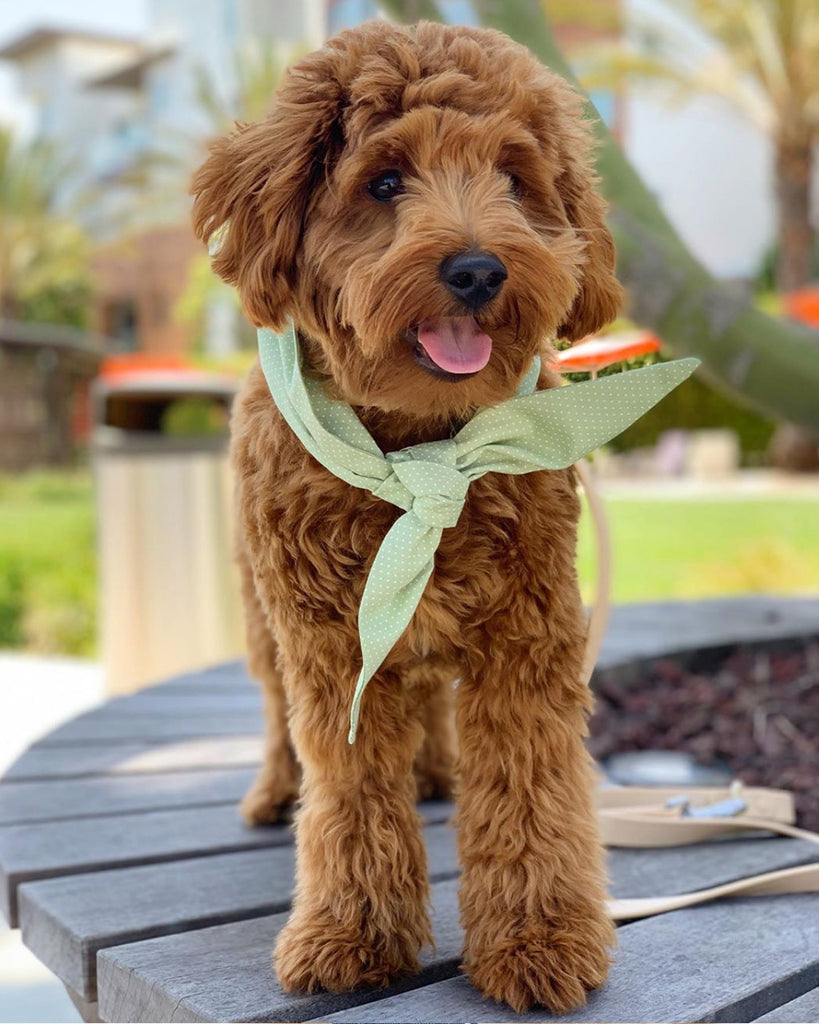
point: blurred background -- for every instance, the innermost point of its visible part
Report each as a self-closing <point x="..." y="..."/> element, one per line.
<point x="120" y="352"/>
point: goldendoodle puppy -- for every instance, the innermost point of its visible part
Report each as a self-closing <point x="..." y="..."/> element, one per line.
<point x="421" y="203"/>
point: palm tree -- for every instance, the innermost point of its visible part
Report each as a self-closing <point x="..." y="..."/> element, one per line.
<point x="43" y="252"/>
<point x="256" y="72"/>
<point x="764" y="61"/>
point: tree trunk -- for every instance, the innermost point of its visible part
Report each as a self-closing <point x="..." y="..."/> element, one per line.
<point x="770" y="363"/>
<point x="794" y="171"/>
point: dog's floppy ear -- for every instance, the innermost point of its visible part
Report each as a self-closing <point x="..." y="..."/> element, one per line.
<point x="254" y="188"/>
<point x="566" y="139"/>
<point x="601" y="294"/>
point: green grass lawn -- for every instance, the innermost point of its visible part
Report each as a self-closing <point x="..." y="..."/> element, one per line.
<point x="696" y="548"/>
<point x="663" y="549"/>
<point x="48" y="563"/>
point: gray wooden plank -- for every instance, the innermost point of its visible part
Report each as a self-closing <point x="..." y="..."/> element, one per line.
<point x="719" y="962"/>
<point x="638" y="631"/>
<point x="225" y="676"/>
<point x="65" y="921"/>
<point x="98" y="910"/>
<point x="26" y="802"/>
<point x="805" y="1009"/>
<point x="64" y="924"/>
<point x="88" y="1011"/>
<point x="225" y="973"/>
<point x="73" y="762"/>
<point x="96" y="728"/>
<point x="57" y="848"/>
<point x="670" y="870"/>
<point x="245" y="702"/>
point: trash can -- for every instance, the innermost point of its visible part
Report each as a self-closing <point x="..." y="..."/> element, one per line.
<point x="169" y="592"/>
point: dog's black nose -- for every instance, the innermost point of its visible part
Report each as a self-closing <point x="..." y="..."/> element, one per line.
<point x="473" y="277"/>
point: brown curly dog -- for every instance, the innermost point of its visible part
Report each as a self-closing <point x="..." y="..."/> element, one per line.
<point x="418" y="197"/>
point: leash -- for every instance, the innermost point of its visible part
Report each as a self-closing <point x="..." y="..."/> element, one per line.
<point x="639" y="817"/>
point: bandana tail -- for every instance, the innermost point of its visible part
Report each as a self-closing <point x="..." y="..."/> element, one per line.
<point x="391" y="595"/>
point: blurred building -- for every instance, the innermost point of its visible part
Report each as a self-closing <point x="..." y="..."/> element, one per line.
<point x="127" y="114"/>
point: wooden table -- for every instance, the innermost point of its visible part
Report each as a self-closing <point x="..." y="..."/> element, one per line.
<point x="123" y="860"/>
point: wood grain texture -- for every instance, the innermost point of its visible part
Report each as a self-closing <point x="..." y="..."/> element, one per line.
<point x="78" y="846"/>
<point x="223" y="675"/>
<point x="66" y="920"/>
<point x="639" y="631"/>
<point x="88" y="1011"/>
<point x="671" y="870"/>
<point x="26" y="802"/>
<point x="245" y="702"/>
<point x="96" y="728"/>
<point x="170" y="755"/>
<point x="227" y="676"/>
<point x="225" y="973"/>
<point x="204" y="979"/>
<point x="722" y="962"/>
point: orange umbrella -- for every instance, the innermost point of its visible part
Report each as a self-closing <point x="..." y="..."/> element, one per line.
<point x="594" y="354"/>
<point x="804" y="305"/>
<point x="159" y="369"/>
<point x="126" y="364"/>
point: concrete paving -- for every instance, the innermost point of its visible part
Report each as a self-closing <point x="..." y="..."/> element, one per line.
<point x="36" y="695"/>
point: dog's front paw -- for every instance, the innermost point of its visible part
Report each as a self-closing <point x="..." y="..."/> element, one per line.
<point x="319" y="954"/>
<point x="554" y="971"/>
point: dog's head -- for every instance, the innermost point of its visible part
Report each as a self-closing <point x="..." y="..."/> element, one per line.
<point x="421" y="202"/>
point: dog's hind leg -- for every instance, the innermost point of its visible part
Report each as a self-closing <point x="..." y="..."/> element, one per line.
<point x="435" y="762"/>
<point x="277" y="783"/>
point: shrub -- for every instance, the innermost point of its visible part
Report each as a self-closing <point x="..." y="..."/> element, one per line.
<point x="48" y="563"/>
<point x="11" y="601"/>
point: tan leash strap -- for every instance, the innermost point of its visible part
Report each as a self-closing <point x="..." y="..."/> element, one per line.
<point x="641" y="817"/>
<point x="788" y="880"/>
<point x="635" y="828"/>
<point x="761" y="802"/>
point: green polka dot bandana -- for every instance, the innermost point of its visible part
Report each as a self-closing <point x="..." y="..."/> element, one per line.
<point x="534" y="430"/>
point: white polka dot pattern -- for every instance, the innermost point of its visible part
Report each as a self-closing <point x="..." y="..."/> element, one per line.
<point x="535" y="430"/>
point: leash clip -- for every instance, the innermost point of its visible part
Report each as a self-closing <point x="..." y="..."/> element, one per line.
<point x="729" y="808"/>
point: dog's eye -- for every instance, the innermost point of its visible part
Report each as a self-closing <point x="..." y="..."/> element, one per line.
<point x="515" y="186"/>
<point x="386" y="186"/>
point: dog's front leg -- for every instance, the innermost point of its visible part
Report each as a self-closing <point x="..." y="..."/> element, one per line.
<point x="532" y="894"/>
<point x="360" y="909"/>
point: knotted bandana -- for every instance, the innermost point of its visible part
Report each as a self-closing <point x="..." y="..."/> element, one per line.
<point x="534" y="430"/>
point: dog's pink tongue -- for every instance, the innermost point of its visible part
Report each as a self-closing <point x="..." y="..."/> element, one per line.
<point x="455" y="343"/>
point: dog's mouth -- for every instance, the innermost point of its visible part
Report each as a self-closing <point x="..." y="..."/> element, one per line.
<point x="450" y="347"/>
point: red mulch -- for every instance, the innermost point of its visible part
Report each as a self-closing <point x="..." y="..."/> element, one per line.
<point x="757" y="712"/>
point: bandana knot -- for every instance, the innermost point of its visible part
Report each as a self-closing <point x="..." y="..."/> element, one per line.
<point x="437" y="488"/>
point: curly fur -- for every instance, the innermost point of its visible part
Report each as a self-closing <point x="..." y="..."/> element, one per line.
<point x="461" y="112"/>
